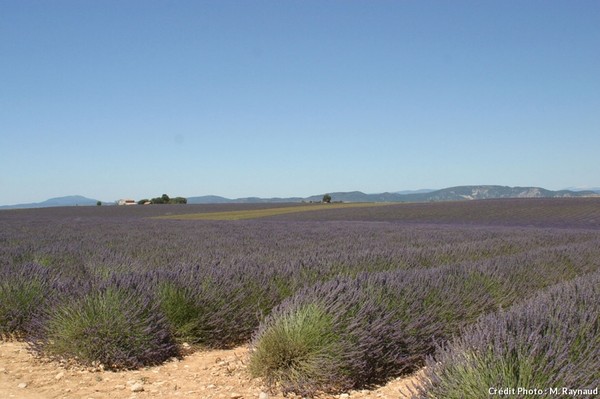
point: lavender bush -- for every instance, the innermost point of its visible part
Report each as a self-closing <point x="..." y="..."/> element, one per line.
<point x="115" y="325"/>
<point x="546" y="344"/>
<point x="330" y="337"/>
<point x="23" y="291"/>
<point x="213" y="307"/>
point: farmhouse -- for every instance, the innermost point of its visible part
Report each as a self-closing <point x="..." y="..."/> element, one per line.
<point x="126" y="202"/>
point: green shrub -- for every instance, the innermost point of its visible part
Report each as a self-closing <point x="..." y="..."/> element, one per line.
<point x="215" y="307"/>
<point x="330" y="337"/>
<point x="115" y="327"/>
<point x="18" y="300"/>
<point x="23" y="290"/>
<point x="182" y="313"/>
<point x="298" y="350"/>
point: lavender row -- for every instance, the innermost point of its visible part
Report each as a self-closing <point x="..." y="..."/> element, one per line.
<point x="126" y="244"/>
<point x="380" y="325"/>
<point x="267" y="260"/>
<point x="548" y="346"/>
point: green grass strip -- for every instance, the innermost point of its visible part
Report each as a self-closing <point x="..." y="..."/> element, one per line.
<point x="259" y="213"/>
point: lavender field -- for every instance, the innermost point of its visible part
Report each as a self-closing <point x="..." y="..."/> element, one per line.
<point x="327" y="300"/>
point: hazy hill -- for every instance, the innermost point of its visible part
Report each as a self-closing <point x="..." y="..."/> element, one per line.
<point x="70" y="200"/>
<point x="459" y="193"/>
<point x="488" y="192"/>
<point x="447" y="194"/>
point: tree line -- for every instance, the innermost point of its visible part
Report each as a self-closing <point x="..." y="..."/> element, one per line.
<point x="164" y="199"/>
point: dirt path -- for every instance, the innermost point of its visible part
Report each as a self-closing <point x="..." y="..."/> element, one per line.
<point x="209" y="375"/>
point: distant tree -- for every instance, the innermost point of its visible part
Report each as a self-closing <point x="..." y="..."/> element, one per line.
<point x="178" y="200"/>
<point x="143" y="201"/>
<point x="99" y="203"/>
<point x="327" y="198"/>
<point x="165" y="198"/>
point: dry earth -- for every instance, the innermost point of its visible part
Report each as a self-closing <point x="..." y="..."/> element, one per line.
<point x="210" y="374"/>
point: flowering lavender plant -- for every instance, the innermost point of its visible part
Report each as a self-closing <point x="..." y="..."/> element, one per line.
<point x="537" y="348"/>
<point x="113" y="324"/>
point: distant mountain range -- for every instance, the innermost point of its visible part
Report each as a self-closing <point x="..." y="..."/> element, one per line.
<point x="460" y="193"/>
<point x="70" y="200"/>
<point x="447" y="194"/>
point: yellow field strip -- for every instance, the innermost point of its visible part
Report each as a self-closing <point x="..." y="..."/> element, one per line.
<point x="259" y="213"/>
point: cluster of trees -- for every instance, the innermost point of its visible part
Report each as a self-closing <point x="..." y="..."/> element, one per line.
<point x="326" y="200"/>
<point x="164" y="199"/>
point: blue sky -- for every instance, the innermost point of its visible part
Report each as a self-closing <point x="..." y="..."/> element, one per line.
<point x="114" y="99"/>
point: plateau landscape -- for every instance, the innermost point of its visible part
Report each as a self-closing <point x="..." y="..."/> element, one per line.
<point x="299" y="199"/>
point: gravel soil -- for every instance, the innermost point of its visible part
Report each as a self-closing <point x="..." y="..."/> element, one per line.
<point x="204" y="374"/>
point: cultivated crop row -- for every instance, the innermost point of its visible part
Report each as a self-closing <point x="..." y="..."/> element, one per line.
<point x="548" y="346"/>
<point x="379" y="325"/>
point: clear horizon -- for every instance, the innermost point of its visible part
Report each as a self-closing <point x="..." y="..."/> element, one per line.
<point x="127" y="99"/>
